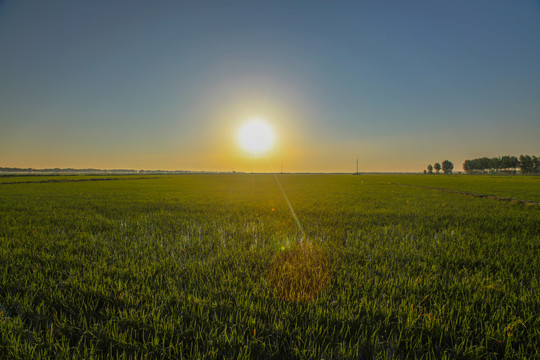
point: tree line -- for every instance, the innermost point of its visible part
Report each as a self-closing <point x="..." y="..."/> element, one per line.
<point x="526" y="163"/>
<point x="446" y="166"/>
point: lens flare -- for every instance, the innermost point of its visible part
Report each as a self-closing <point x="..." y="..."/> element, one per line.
<point x="298" y="274"/>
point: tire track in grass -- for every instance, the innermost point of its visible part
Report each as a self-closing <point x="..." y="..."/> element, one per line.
<point x="467" y="193"/>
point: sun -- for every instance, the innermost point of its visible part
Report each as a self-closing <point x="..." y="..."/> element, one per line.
<point x="256" y="137"/>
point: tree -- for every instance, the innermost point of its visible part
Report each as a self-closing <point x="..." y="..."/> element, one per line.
<point x="526" y="164"/>
<point x="437" y="167"/>
<point x="430" y="169"/>
<point x="506" y="162"/>
<point x="509" y="163"/>
<point x="485" y="163"/>
<point x="468" y="166"/>
<point x="447" y="167"/>
<point x="495" y="163"/>
<point x="515" y="162"/>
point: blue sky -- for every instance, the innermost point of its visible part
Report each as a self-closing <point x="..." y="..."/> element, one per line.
<point x="148" y="85"/>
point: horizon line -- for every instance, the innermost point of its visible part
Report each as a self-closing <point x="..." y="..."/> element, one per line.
<point x="90" y="171"/>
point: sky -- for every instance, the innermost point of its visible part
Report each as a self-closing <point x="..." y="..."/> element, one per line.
<point x="167" y="84"/>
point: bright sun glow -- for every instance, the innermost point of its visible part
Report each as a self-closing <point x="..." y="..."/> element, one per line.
<point x="256" y="137"/>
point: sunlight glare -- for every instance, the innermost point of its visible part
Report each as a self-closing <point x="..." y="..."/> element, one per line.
<point x="256" y="137"/>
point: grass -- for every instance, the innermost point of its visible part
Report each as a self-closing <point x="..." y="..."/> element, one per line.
<point x="508" y="186"/>
<point x="190" y="267"/>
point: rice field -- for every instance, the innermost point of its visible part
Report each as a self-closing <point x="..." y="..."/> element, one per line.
<point x="216" y="267"/>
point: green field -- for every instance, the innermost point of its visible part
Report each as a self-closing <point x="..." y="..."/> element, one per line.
<point x="526" y="188"/>
<point x="194" y="267"/>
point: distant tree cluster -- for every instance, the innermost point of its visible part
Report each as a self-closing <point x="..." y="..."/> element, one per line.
<point x="446" y="167"/>
<point x="529" y="164"/>
<point x="526" y="163"/>
<point x="10" y="170"/>
<point x="66" y="171"/>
